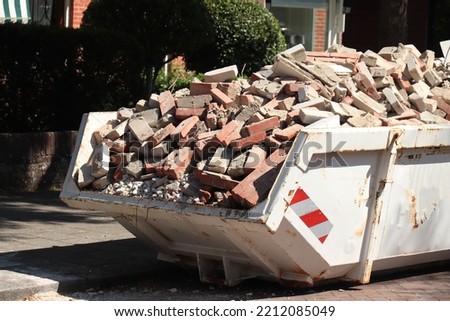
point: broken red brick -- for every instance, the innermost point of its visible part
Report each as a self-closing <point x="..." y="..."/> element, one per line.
<point x="176" y="163"/>
<point x="166" y="103"/>
<point x="264" y="125"/>
<point x="292" y="89"/>
<point x="273" y="143"/>
<point x="118" y="173"/>
<point x="229" y="132"/>
<point x="201" y="88"/>
<point x="401" y="80"/>
<point x="184" y="113"/>
<point x="289" y="132"/>
<point x="183" y="129"/>
<point x="221" y="98"/>
<point x="220" y="181"/>
<point x="246" y="100"/>
<point x="205" y="147"/>
<point x="256" y="186"/>
<point x="442" y="105"/>
<point x="152" y="166"/>
<point x="101" y="132"/>
<point x="160" y="135"/>
<point x="245" y="142"/>
<point x="347" y="100"/>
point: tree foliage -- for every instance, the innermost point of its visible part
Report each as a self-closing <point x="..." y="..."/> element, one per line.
<point x="247" y="35"/>
<point x="165" y="28"/>
<point x="62" y="73"/>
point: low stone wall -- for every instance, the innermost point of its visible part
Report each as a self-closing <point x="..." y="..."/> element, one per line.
<point x="35" y="161"/>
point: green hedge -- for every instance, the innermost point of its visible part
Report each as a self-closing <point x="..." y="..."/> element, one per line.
<point x="50" y="76"/>
<point x="247" y="35"/>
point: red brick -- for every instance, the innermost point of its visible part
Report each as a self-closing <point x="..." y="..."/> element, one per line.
<point x="242" y="143"/>
<point x="289" y="132"/>
<point x="292" y="89"/>
<point x="293" y="116"/>
<point x="272" y="104"/>
<point x="246" y="100"/>
<point x="273" y="143"/>
<point x="183" y="113"/>
<point x="205" y="147"/>
<point x="347" y="100"/>
<point x="221" y="98"/>
<point x="229" y="89"/>
<point x="401" y="80"/>
<point x="369" y="89"/>
<point x="102" y="131"/>
<point x="176" y="163"/>
<point x="256" y="186"/>
<point x="262" y="126"/>
<point x="442" y="105"/>
<point x="160" y="135"/>
<point x="151" y="166"/>
<point x="166" y="103"/>
<point x="229" y="132"/>
<point x="120" y="158"/>
<point x="205" y="193"/>
<point x="120" y="146"/>
<point x="183" y="129"/>
<point x="201" y="88"/>
<point x="256" y="76"/>
<point x="220" y="181"/>
<point x="118" y="173"/>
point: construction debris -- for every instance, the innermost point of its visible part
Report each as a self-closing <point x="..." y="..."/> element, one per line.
<point x="222" y="142"/>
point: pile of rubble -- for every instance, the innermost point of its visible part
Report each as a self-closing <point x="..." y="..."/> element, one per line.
<point x="222" y="141"/>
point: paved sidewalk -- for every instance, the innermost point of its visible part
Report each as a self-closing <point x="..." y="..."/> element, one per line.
<point x="47" y="246"/>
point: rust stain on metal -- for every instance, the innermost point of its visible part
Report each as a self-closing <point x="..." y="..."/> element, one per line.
<point x="291" y="192"/>
<point x="291" y="233"/>
<point x="413" y="210"/>
<point x="361" y="193"/>
<point x="286" y="205"/>
<point x="320" y="276"/>
<point x="206" y="234"/>
<point x="359" y="232"/>
<point x="299" y="270"/>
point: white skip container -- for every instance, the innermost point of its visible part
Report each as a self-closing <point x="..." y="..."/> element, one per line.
<point x="347" y="202"/>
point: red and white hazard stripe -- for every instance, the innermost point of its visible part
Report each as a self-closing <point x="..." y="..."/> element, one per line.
<point x="311" y="215"/>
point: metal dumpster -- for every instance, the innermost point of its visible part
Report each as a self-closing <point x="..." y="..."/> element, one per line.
<point x="347" y="202"/>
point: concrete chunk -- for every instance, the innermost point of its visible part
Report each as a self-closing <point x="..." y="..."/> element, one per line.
<point x="140" y="128"/>
<point x="222" y="74"/>
<point x="296" y="53"/>
<point x="310" y="115"/>
<point x="364" y="102"/>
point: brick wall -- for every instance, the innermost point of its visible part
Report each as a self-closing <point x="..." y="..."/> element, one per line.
<point x="35" y="161"/>
<point x="79" y="6"/>
<point x="320" y="30"/>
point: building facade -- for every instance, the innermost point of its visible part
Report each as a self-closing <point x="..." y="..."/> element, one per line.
<point x="64" y="13"/>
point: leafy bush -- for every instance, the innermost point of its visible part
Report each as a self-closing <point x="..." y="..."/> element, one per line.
<point x="50" y="76"/>
<point x="175" y="80"/>
<point x="162" y="27"/>
<point x="247" y="35"/>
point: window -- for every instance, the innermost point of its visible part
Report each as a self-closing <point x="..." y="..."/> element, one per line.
<point x="42" y="12"/>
